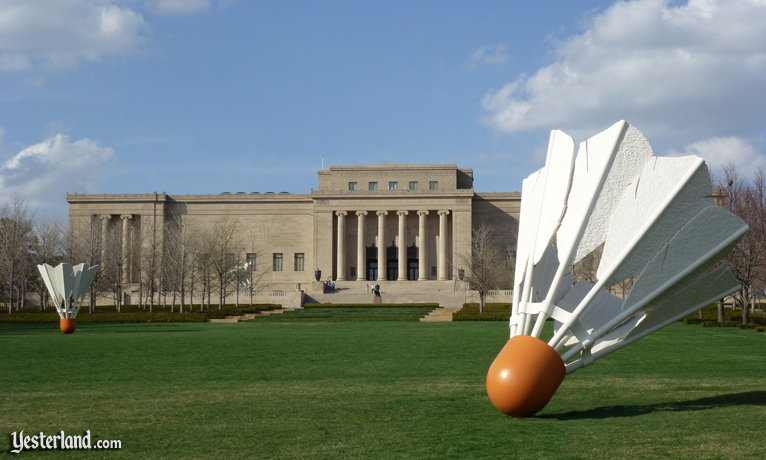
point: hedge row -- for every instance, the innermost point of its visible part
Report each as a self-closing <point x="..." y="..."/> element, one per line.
<point x="492" y="312"/>
<point x="109" y="317"/>
<point x="229" y="307"/>
<point x="502" y="312"/>
<point x="239" y="311"/>
<point x="733" y="321"/>
<point x="131" y="314"/>
<point x="750" y="325"/>
<point x="372" y="305"/>
<point x="349" y="314"/>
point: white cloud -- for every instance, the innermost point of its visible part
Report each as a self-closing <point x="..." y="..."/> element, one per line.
<point x="495" y="54"/>
<point x="680" y="72"/>
<point x="719" y="152"/>
<point x="56" y="34"/>
<point x="43" y="173"/>
<point x="59" y="34"/>
<point x="10" y="62"/>
<point x="177" y="6"/>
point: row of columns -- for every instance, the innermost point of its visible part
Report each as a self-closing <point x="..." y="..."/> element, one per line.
<point x="126" y="218"/>
<point x="361" y="254"/>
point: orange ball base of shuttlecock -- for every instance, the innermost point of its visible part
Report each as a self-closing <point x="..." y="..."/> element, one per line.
<point x="67" y="325"/>
<point x="524" y="376"/>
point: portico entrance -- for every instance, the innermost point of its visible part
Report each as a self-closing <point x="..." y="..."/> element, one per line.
<point x="397" y="262"/>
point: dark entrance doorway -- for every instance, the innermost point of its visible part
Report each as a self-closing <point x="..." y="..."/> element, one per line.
<point x="392" y="263"/>
<point x="372" y="262"/>
<point x="393" y="270"/>
<point x="412" y="263"/>
<point x="372" y="269"/>
<point x="412" y="270"/>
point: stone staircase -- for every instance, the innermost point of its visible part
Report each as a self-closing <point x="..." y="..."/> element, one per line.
<point x="450" y="296"/>
<point x="249" y="316"/>
<point x="445" y="293"/>
<point x="440" y="315"/>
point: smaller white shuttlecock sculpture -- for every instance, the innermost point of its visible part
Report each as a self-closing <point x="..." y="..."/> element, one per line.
<point x="647" y="219"/>
<point x="67" y="285"/>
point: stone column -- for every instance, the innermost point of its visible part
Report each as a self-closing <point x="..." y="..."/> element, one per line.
<point x="402" y="247"/>
<point x="441" y="255"/>
<point x="341" y="256"/>
<point x="382" y="245"/>
<point x="104" y="229"/>
<point x="126" y="247"/>
<point x="422" y="274"/>
<point x="361" y="250"/>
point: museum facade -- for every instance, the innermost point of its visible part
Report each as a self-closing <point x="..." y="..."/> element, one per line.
<point x="393" y="223"/>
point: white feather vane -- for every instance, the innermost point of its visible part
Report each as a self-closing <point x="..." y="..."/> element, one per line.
<point x="67" y="285"/>
<point x="647" y="219"/>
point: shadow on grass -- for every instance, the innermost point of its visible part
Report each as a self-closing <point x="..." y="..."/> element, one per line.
<point x="750" y="398"/>
<point x="151" y="331"/>
<point x="130" y="328"/>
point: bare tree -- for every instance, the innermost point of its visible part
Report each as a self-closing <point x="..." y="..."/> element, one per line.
<point x="485" y="268"/>
<point x="238" y="278"/>
<point x="223" y="255"/>
<point x="151" y="252"/>
<point x="748" y="259"/>
<point x="48" y="248"/>
<point x="587" y="267"/>
<point x="180" y="241"/>
<point x="16" y="246"/>
<point x="202" y="266"/>
<point x="255" y="277"/>
<point x="247" y="276"/>
<point x="82" y="243"/>
<point x="186" y="242"/>
<point x="112" y="268"/>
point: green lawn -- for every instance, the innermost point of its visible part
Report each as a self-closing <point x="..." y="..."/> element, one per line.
<point x="373" y="390"/>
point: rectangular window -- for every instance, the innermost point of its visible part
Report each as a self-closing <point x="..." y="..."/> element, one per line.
<point x="299" y="258"/>
<point x="250" y="259"/>
<point x="433" y="185"/>
<point x="353" y="186"/>
<point x="413" y="185"/>
<point x="229" y="259"/>
<point x="393" y="185"/>
<point x="277" y="262"/>
<point x="372" y="186"/>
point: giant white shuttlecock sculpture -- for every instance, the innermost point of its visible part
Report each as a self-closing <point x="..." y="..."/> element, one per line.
<point x="651" y="219"/>
<point x="67" y="285"/>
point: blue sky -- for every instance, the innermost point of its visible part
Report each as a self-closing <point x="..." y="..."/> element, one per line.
<point x="205" y="96"/>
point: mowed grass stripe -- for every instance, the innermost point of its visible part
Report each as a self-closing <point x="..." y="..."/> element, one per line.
<point x="374" y="389"/>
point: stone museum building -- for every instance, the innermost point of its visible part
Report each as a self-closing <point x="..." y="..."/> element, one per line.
<point x="397" y="224"/>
